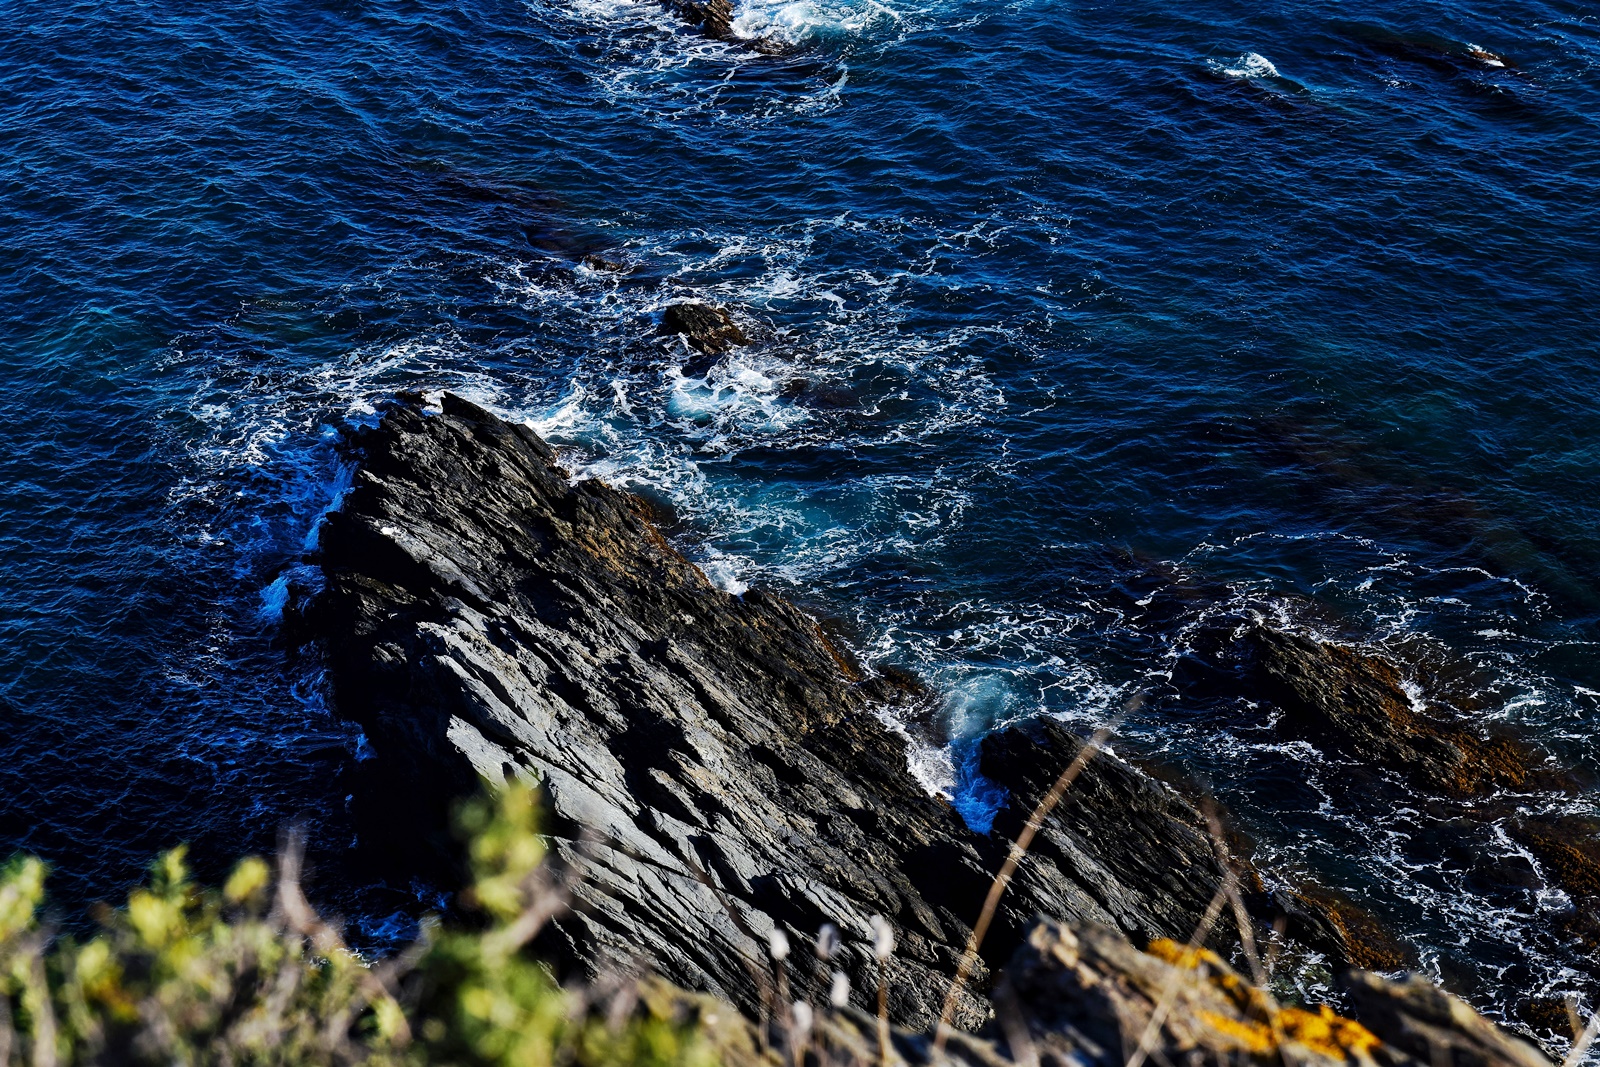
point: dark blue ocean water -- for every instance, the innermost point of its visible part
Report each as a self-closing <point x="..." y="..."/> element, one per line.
<point x="1130" y="318"/>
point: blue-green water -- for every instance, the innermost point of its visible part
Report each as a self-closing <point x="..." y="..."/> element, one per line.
<point x="1130" y="317"/>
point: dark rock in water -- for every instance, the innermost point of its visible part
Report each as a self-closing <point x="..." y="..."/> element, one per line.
<point x="1367" y="942"/>
<point x="1139" y="850"/>
<point x="714" y="18"/>
<point x="811" y="395"/>
<point x="1353" y="702"/>
<point x="1122" y="849"/>
<point x="1418" y="1018"/>
<point x="604" y="266"/>
<point x="1568" y="850"/>
<point x="483" y="616"/>
<point x="711" y="330"/>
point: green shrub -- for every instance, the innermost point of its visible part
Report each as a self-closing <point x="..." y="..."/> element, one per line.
<point x="251" y="974"/>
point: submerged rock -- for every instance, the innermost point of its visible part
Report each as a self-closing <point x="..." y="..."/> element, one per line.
<point x="602" y="265"/>
<point x="1354" y="702"/>
<point x="715" y="767"/>
<point x="814" y="395"/>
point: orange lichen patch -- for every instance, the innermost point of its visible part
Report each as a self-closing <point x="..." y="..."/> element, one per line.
<point x="1244" y="995"/>
<point x="1368" y="943"/>
<point x="1325" y="1032"/>
<point x="1263" y="1026"/>
<point x="1253" y="1037"/>
<point x="1185" y="956"/>
<point x="1498" y="761"/>
<point x="1569" y="848"/>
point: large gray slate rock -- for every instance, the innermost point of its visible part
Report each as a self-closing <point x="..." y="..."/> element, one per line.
<point x="485" y="617"/>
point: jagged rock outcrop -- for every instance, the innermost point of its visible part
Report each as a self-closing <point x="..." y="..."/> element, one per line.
<point x="1416" y="1017"/>
<point x="485" y="617"/>
<point x="1126" y="841"/>
<point x="1080" y="995"/>
<point x="710" y="330"/>
<point x="714" y="18"/>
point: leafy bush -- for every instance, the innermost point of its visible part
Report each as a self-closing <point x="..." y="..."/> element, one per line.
<point x="251" y="974"/>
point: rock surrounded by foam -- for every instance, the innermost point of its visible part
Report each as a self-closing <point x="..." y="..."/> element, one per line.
<point x="710" y="330"/>
<point x="485" y="617"/>
<point x="1355" y="702"/>
<point x="714" y="18"/>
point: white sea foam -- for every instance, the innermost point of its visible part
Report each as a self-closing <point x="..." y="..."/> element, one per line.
<point x="649" y="61"/>
<point x="797" y="22"/>
<point x="1249" y="65"/>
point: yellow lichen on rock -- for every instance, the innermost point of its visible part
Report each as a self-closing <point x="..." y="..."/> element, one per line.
<point x="1263" y="1026"/>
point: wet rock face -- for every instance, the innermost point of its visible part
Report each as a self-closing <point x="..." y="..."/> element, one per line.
<point x="1354" y="703"/>
<point x="714" y="18"/>
<point x="710" y="330"/>
<point x="486" y="617"/>
<point x="1125" y="850"/>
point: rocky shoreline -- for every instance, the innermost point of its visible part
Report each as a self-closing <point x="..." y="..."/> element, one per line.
<point x="715" y="768"/>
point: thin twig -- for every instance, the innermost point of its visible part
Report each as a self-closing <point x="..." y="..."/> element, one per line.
<point x="1227" y="891"/>
<point x="1280" y="927"/>
<point x="756" y="971"/>
<point x="1241" y="918"/>
<point x="883" y="1011"/>
<point x="1014" y="1025"/>
<point x="1019" y="848"/>
<point x="7" y="1034"/>
<point x="302" y="919"/>
<point x="1580" y="1047"/>
<point x="44" y="1015"/>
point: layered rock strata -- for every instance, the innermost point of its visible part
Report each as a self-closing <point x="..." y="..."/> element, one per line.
<point x="713" y="765"/>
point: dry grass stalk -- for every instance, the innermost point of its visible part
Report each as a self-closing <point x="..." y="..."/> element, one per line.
<point x="757" y="972"/>
<point x="1169" y="994"/>
<point x="37" y="1000"/>
<point x="7" y="1034"/>
<point x="1227" y="892"/>
<point x="997" y="888"/>
<point x="1008" y="1013"/>
<point x="1241" y="918"/>
<point x="883" y="948"/>
<point x="301" y="918"/>
<point x="883" y="1013"/>
<point x="1580" y="1046"/>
